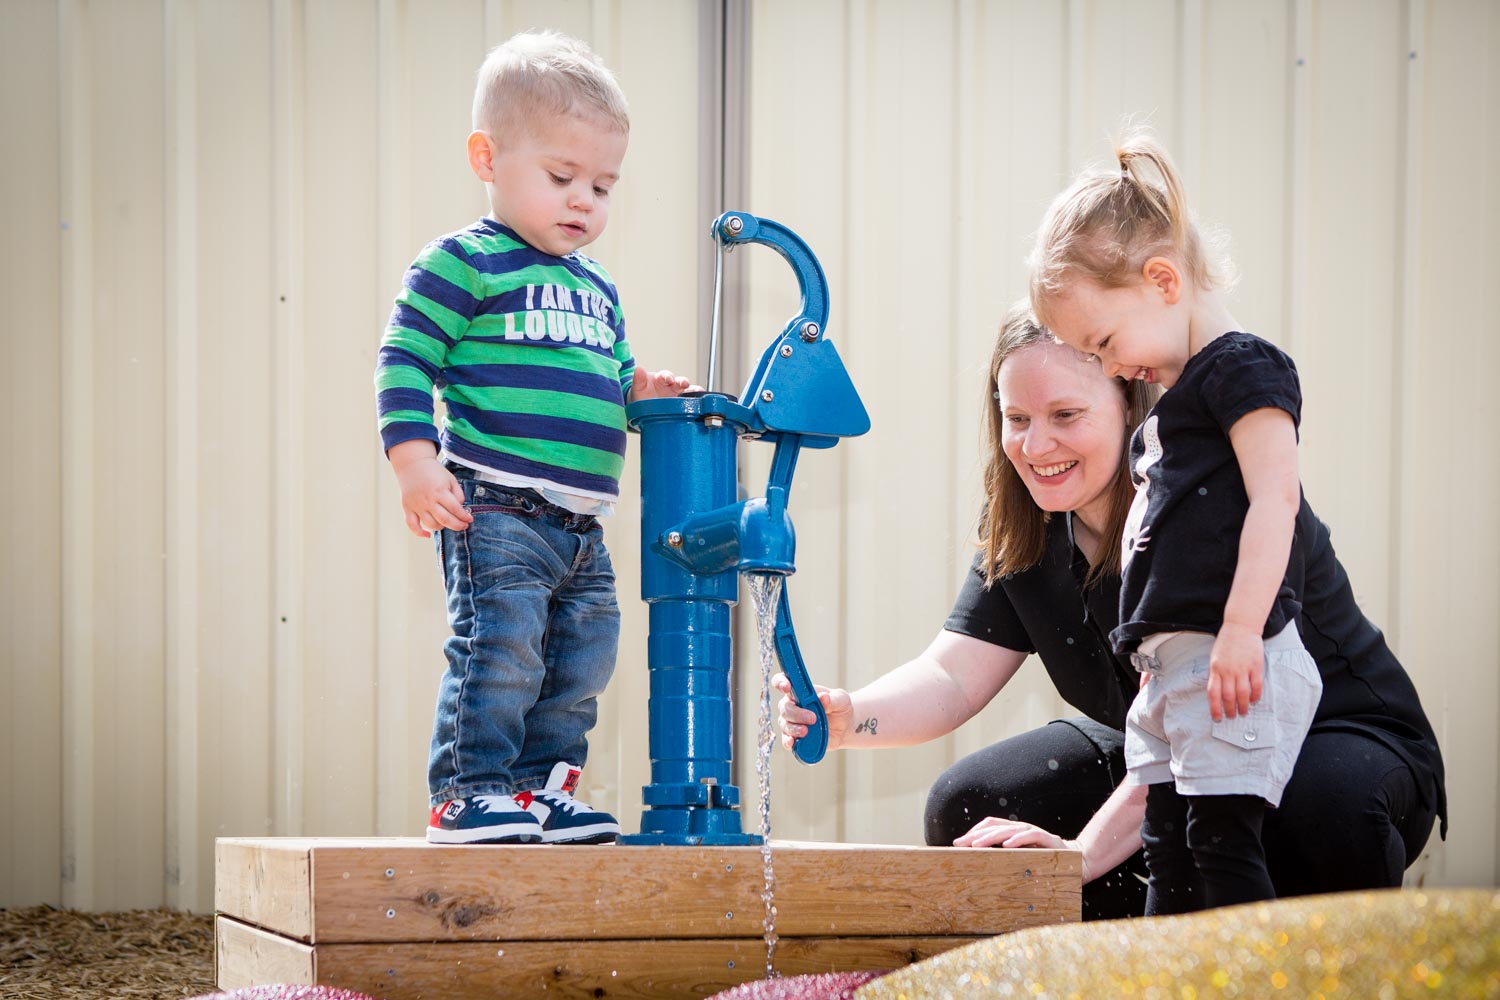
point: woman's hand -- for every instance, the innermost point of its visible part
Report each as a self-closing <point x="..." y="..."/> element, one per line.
<point x="995" y="832"/>
<point x="838" y="708"/>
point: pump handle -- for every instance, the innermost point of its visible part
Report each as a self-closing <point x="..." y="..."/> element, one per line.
<point x="810" y="748"/>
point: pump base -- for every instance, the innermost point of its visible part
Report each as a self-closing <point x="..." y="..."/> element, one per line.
<point x="689" y="840"/>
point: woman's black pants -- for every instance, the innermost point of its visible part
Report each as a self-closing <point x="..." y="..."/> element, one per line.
<point x="1350" y="818"/>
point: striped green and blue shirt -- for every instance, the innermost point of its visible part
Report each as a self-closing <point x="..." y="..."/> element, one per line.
<point x="528" y="352"/>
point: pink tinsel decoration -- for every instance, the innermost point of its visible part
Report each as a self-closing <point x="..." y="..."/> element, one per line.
<point x="822" y="986"/>
<point x="288" y="991"/>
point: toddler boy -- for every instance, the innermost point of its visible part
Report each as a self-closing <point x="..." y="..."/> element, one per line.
<point x="524" y="338"/>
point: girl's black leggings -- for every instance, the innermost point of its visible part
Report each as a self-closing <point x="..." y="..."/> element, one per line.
<point x="1203" y="851"/>
<point x="1350" y="818"/>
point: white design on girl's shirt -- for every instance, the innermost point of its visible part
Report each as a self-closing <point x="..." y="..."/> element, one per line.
<point x="1138" y="534"/>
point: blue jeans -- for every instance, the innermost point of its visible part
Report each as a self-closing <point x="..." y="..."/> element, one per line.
<point x="531" y="601"/>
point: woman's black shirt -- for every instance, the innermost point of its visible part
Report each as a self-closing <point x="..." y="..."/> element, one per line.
<point x="1047" y="610"/>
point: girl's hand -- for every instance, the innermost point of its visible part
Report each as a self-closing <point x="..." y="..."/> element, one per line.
<point x="838" y="709"/>
<point x="658" y="385"/>
<point x="1236" y="667"/>
<point x="430" y="496"/>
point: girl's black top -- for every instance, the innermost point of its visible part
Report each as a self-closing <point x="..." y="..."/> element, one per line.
<point x="1181" y="542"/>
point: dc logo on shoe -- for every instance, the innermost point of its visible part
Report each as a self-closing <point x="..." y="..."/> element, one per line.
<point x="452" y="809"/>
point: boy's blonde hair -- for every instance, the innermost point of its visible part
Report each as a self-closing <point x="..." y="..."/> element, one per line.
<point x="1012" y="528"/>
<point x="538" y="74"/>
<point x="1110" y="222"/>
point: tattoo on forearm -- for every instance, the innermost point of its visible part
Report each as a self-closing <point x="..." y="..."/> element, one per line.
<point x="868" y="726"/>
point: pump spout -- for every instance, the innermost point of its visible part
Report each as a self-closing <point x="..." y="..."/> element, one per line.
<point x="753" y="536"/>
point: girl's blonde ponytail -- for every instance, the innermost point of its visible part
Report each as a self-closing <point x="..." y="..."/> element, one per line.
<point x="1110" y="222"/>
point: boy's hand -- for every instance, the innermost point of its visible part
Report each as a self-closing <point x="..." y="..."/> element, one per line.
<point x="659" y="385"/>
<point x="1235" y="669"/>
<point x="430" y="495"/>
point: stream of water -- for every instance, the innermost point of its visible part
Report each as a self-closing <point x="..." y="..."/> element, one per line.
<point x="766" y="591"/>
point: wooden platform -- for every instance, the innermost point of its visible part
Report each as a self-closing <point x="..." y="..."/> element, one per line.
<point x="401" y="919"/>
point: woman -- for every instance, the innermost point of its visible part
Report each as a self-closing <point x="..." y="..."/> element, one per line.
<point x="1368" y="783"/>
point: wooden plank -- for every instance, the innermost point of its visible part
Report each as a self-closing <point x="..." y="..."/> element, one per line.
<point x="265" y="882"/>
<point x="621" y="969"/>
<point x="407" y="890"/>
<point x="412" y="891"/>
<point x="248" y="956"/>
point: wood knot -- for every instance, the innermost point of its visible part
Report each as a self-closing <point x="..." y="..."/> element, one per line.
<point x="460" y="913"/>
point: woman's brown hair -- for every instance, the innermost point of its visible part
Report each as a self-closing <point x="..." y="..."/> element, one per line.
<point x="1012" y="528"/>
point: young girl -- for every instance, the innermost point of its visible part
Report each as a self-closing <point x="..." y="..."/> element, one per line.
<point x="1121" y="272"/>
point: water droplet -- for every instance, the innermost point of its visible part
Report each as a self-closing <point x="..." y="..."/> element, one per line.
<point x="1052" y="765"/>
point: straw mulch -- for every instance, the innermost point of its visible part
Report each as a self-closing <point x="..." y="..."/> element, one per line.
<point x="49" y="954"/>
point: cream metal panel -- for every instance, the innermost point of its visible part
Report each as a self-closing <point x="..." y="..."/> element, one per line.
<point x="1350" y="151"/>
<point x="216" y="623"/>
<point x="1446" y="414"/>
<point x="116" y="737"/>
<point x="798" y="59"/>
<point x="31" y="535"/>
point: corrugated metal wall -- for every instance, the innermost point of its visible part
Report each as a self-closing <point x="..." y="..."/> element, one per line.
<point x="1352" y="149"/>
<point x="214" y="621"/>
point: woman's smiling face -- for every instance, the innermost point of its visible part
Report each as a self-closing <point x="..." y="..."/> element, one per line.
<point x="1064" y="429"/>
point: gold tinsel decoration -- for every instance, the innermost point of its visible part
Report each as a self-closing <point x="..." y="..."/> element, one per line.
<point x="1379" y="945"/>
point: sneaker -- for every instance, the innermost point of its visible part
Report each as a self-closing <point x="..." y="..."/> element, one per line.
<point x="482" y="819"/>
<point x="565" y="820"/>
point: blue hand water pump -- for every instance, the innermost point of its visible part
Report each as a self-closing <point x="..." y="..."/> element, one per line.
<point x="696" y="540"/>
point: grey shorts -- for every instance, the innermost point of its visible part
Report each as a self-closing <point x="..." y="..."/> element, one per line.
<point x="1169" y="735"/>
